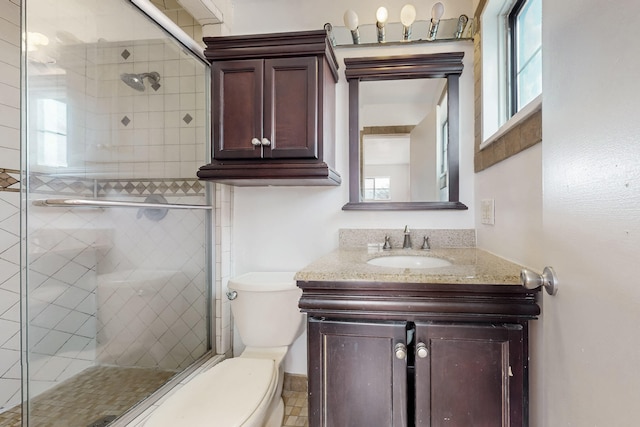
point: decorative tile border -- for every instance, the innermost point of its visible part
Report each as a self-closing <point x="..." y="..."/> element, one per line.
<point x="78" y="187"/>
<point x="145" y="187"/>
<point x="10" y="180"/>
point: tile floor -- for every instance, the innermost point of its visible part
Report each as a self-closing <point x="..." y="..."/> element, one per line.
<point x="96" y="392"/>
<point x="102" y="391"/>
<point x="295" y="408"/>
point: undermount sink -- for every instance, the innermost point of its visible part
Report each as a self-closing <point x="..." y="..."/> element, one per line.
<point x="408" y="261"/>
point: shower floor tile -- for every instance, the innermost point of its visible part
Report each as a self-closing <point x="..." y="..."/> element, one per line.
<point x="89" y="396"/>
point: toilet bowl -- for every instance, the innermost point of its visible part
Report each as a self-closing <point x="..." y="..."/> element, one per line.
<point x="244" y="391"/>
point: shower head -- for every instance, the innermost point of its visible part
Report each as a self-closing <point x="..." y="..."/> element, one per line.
<point x="136" y="81"/>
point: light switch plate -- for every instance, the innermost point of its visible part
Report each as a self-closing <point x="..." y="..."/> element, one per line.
<point x="487" y="211"/>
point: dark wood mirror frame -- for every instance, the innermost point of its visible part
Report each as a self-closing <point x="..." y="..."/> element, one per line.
<point x="440" y="65"/>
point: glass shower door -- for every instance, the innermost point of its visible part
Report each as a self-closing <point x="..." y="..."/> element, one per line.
<point x="117" y="293"/>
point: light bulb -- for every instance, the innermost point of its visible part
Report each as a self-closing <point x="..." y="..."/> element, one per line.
<point x="382" y="15"/>
<point x="407" y="15"/>
<point x="437" y="11"/>
<point x="351" y="20"/>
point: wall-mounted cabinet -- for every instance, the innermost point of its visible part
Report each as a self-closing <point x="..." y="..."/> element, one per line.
<point x="273" y="109"/>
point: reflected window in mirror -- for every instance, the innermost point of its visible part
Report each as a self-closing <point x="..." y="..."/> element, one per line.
<point x="401" y="110"/>
<point x="377" y="188"/>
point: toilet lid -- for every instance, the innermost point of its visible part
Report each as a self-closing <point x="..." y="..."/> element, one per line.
<point x="224" y="396"/>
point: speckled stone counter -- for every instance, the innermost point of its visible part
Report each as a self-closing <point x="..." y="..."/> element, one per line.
<point x="468" y="266"/>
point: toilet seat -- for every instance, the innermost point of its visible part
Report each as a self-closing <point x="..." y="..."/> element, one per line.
<point x="230" y="394"/>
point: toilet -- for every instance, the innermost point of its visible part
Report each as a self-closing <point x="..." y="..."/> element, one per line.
<point x="244" y="391"/>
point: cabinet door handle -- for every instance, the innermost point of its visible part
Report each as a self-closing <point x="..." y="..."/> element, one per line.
<point x="421" y="350"/>
<point x="265" y="141"/>
<point x="400" y="350"/>
<point x="255" y="142"/>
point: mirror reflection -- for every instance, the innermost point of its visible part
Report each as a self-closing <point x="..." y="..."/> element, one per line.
<point x="403" y="140"/>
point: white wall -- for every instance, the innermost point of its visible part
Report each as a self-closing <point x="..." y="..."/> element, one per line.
<point x="259" y="16"/>
<point x="286" y="228"/>
<point x="424" y="159"/>
<point x="515" y="185"/>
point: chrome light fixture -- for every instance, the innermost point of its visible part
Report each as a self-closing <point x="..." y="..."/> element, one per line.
<point x="407" y="17"/>
<point x="436" y="13"/>
<point x="381" y="18"/>
<point x="351" y="22"/>
<point x="329" y="29"/>
<point x="462" y="24"/>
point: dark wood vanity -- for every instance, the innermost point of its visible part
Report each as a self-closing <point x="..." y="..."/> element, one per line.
<point x="273" y="109"/>
<point x="446" y="349"/>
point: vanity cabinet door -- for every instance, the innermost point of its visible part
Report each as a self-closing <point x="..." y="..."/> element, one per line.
<point x="355" y="378"/>
<point x="470" y="375"/>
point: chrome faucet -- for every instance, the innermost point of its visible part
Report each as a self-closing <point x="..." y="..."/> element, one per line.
<point x="407" y="238"/>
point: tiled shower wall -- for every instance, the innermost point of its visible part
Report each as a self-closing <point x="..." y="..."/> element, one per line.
<point x="121" y="289"/>
<point x="9" y="203"/>
<point x="118" y="132"/>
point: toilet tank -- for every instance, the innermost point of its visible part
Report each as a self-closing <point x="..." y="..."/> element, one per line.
<point x="265" y="310"/>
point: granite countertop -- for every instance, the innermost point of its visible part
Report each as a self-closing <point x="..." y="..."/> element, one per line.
<point x="469" y="266"/>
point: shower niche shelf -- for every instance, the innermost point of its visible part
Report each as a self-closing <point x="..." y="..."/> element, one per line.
<point x="273" y="109"/>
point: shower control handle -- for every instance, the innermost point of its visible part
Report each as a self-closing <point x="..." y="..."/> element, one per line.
<point x="255" y="142"/>
<point x="266" y="142"/>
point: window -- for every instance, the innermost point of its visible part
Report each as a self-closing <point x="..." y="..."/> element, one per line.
<point x="525" y="32"/>
<point x="376" y="189"/>
<point x="511" y="58"/>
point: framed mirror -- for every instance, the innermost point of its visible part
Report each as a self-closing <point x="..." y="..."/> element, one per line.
<point x="403" y="132"/>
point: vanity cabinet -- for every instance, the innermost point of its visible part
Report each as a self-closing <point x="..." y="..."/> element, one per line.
<point x="417" y="354"/>
<point x="273" y="109"/>
<point x="442" y="374"/>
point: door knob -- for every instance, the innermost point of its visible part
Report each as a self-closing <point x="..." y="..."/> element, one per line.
<point x="400" y="350"/>
<point x="255" y="142"/>
<point x="547" y="279"/>
<point x="421" y="350"/>
<point x="265" y="141"/>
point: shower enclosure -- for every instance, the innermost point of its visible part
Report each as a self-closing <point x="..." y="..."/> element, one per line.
<point x="116" y="228"/>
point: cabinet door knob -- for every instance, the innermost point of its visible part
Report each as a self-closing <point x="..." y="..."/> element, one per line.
<point x="401" y="351"/>
<point x="421" y="350"/>
<point x="255" y="142"/>
<point x="265" y="141"/>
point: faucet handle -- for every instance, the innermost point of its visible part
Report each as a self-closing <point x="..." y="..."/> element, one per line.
<point x="425" y="243"/>
<point x="387" y="242"/>
<point x="406" y="229"/>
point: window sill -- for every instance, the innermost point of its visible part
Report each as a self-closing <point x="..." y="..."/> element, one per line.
<point x="531" y="108"/>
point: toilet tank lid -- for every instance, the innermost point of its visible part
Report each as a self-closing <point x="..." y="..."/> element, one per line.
<point x="265" y="281"/>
